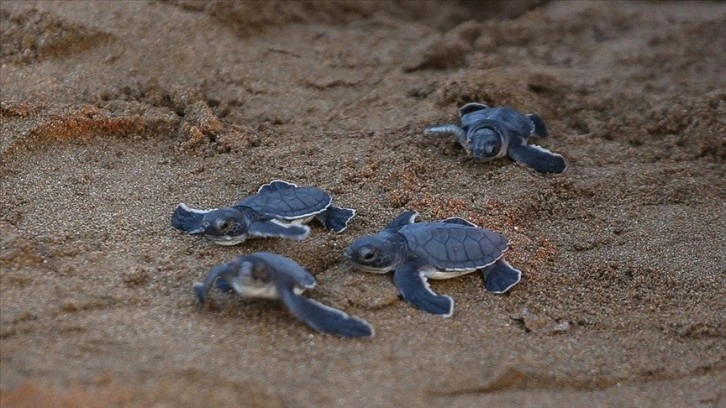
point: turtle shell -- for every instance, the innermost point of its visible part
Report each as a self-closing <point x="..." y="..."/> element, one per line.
<point x="290" y="203"/>
<point x="506" y="117"/>
<point x="454" y="247"/>
<point x="283" y="268"/>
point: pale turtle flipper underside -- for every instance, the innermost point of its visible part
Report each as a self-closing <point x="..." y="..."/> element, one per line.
<point x="405" y="218"/>
<point x="187" y="219"/>
<point x="275" y="228"/>
<point x="275" y="185"/>
<point x="500" y="277"/>
<point x="414" y="287"/>
<point x="324" y="319"/>
<point x="336" y="219"/>
<point x="540" y="128"/>
<point x="538" y="158"/>
<point x="460" y="221"/>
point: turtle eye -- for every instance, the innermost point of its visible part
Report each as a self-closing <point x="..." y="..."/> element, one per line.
<point x="225" y="226"/>
<point x="368" y="254"/>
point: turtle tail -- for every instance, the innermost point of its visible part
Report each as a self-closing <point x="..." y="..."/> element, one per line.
<point x="336" y="219"/>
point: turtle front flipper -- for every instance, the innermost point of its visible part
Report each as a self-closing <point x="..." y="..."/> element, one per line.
<point x="414" y="287"/>
<point x="500" y="277"/>
<point x="275" y="185"/>
<point x="224" y="286"/>
<point x="324" y="319"/>
<point x="335" y="218"/>
<point x="449" y="130"/>
<point x="460" y="221"/>
<point x="274" y="228"/>
<point x="472" y="107"/>
<point x="538" y="158"/>
<point x="187" y="219"/>
<point x="540" y="128"/>
<point x="405" y="218"/>
<point x="217" y="274"/>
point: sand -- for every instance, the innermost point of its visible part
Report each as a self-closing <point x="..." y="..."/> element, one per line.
<point x="113" y="113"/>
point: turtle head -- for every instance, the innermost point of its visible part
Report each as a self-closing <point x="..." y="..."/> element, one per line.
<point x="245" y="275"/>
<point x="486" y="143"/>
<point x="226" y="226"/>
<point x="252" y="278"/>
<point x="376" y="253"/>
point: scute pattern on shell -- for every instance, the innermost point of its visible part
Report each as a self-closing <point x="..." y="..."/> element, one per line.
<point x="290" y="203"/>
<point x="452" y="247"/>
<point x="508" y="118"/>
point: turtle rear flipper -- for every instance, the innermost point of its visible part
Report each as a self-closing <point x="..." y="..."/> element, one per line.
<point x="414" y="288"/>
<point x="323" y="318"/>
<point x="187" y="219"/>
<point x="500" y="277"/>
<point x="275" y="185"/>
<point x="538" y="158"/>
<point x="335" y="218"/>
<point x="540" y="128"/>
<point x="275" y="228"/>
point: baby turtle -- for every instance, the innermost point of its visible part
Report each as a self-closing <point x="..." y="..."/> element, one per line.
<point x="271" y="276"/>
<point x="434" y="250"/>
<point x="488" y="133"/>
<point x="279" y="209"/>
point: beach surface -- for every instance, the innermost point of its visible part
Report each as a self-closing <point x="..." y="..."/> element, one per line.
<point x="113" y="113"/>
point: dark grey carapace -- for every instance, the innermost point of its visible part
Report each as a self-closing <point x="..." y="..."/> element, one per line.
<point x="489" y="133"/>
<point x="416" y="252"/>
<point x="271" y="276"/>
<point x="279" y="209"/>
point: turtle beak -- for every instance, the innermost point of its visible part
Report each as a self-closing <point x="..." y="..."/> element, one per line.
<point x="348" y="253"/>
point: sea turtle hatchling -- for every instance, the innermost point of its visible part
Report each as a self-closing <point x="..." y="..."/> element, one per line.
<point x="434" y="250"/>
<point x="272" y="276"/>
<point x="488" y="133"/>
<point x="279" y="209"/>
